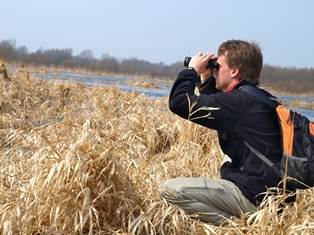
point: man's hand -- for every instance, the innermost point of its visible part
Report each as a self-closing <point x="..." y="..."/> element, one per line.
<point x="200" y="61"/>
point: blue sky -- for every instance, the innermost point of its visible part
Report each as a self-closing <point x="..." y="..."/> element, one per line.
<point x="163" y="30"/>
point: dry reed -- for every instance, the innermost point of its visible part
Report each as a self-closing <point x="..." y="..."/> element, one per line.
<point x="89" y="160"/>
<point x="308" y="105"/>
<point x="143" y="84"/>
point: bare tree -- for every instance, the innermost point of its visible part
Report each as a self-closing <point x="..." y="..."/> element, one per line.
<point x="7" y="49"/>
<point x="86" y="57"/>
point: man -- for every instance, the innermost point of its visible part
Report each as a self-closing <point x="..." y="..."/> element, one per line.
<point x="237" y="116"/>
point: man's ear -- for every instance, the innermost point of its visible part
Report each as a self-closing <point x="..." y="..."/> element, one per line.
<point x="235" y="73"/>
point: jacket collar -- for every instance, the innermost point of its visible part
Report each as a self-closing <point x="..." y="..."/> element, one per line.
<point x="238" y="85"/>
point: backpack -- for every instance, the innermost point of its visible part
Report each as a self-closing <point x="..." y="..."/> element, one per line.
<point x="297" y="142"/>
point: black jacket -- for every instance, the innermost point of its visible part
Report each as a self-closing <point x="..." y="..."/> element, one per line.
<point x="237" y="116"/>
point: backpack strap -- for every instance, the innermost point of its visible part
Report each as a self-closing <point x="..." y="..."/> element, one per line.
<point x="257" y="153"/>
<point x="262" y="95"/>
<point x="268" y="99"/>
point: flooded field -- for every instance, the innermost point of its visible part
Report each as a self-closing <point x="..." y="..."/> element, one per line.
<point x="84" y="158"/>
<point x="163" y="89"/>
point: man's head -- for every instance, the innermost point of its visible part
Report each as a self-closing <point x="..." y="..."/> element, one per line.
<point x="242" y="60"/>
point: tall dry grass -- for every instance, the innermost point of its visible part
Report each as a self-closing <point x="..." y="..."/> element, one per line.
<point x="89" y="160"/>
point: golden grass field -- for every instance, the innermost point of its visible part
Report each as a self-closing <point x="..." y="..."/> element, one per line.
<point x="77" y="159"/>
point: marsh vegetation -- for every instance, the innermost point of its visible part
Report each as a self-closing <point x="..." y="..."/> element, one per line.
<point x="77" y="159"/>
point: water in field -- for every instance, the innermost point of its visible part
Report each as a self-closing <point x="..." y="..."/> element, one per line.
<point x="121" y="83"/>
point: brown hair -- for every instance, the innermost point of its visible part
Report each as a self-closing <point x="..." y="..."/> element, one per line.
<point x="247" y="56"/>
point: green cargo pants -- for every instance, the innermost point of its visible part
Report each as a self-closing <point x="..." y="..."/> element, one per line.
<point x="212" y="200"/>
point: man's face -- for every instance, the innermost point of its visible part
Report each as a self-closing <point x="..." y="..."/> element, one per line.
<point x="223" y="74"/>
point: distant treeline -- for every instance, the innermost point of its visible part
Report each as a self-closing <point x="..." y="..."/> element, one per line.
<point x="286" y="79"/>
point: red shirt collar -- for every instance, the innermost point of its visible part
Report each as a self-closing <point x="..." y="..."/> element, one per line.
<point x="234" y="85"/>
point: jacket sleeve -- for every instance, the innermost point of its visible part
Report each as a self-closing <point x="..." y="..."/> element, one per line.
<point x="182" y="88"/>
<point x="215" y="110"/>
